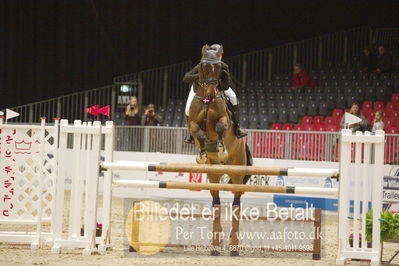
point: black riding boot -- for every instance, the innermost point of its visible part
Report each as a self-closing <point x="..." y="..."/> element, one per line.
<point x="189" y="139"/>
<point x="236" y="119"/>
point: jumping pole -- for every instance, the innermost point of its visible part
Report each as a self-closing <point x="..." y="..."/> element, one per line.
<point x="225" y="187"/>
<point x="218" y="169"/>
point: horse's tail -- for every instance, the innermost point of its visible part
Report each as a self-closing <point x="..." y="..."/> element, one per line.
<point x="249" y="162"/>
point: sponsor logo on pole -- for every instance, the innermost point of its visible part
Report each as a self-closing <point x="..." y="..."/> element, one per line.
<point x="280" y="181"/>
<point x="328" y="183"/>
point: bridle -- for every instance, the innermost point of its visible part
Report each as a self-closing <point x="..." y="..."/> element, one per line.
<point x="204" y="84"/>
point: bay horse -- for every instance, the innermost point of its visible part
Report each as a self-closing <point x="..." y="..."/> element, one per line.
<point x="211" y="126"/>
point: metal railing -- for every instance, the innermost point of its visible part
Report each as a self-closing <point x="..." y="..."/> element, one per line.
<point x="152" y="139"/>
<point x="388" y="37"/>
<point x="158" y="85"/>
<point x="69" y="106"/>
<point x="339" y="47"/>
<point x="288" y="145"/>
<point x="315" y="52"/>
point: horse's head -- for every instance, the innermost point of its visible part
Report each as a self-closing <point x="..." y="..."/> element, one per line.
<point x="210" y="68"/>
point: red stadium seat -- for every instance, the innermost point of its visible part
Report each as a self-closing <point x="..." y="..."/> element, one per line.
<point x="287" y="127"/>
<point x="391" y="130"/>
<point x="329" y="120"/>
<point x="318" y="120"/>
<point x="367" y="105"/>
<point x="391" y="106"/>
<point x="337" y="115"/>
<point x="299" y="127"/>
<point x="276" y="126"/>
<point x="333" y="128"/>
<point x="395" y="98"/>
<point x="378" y="106"/>
<point x="308" y="127"/>
<point x="367" y="113"/>
<point x="347" y="110"/>
<point x="394" y="114"/>
<point x="389" y="123"/>
<point x="307" y="120"/>
<point x="319" y="127"/>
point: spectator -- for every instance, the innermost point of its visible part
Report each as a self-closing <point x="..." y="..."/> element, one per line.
<point x="362" y="125"/>
<point x="150" y="117"/>
<point x="132" y="114"/>
<point x="384" y="61"/>
<point x="302" y="78"/>
<point x="378" y="121"/>
<point x="367" y="61"/>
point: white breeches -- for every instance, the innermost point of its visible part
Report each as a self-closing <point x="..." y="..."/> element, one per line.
<point x="229" y="93"/>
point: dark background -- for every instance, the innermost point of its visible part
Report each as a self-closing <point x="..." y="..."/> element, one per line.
<point x="54" y="47"/>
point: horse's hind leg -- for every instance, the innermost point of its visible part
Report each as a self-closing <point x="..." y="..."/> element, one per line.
<point x="217" y="227"/>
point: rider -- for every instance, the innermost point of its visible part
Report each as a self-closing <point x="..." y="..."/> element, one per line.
<point x="225" y="83"/>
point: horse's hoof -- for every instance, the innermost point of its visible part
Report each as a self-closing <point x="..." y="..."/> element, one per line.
<point x="234" y="253"/>
<point x="215" y="253"/>
<point x="201" y="159"/>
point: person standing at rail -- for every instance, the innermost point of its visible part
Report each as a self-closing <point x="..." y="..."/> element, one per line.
<point x="150" y="117"/>
<point x="132" y="114"/>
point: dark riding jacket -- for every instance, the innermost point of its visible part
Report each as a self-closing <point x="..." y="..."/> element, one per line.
<point x="225" y="79"/>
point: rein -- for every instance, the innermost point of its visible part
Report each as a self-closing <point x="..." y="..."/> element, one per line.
<point x="206" y="100"/>
<point x="203" y="84"/>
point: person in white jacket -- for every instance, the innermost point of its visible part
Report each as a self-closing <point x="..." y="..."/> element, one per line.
<point x="378" y="121"/>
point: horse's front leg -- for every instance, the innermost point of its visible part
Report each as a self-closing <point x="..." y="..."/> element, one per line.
<point x="221" y="127"/>
<point x="199" y="134"/>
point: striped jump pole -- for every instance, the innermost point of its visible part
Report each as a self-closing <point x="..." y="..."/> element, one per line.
<point x="218" y="169"/>
<point x="225" y="187"/>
